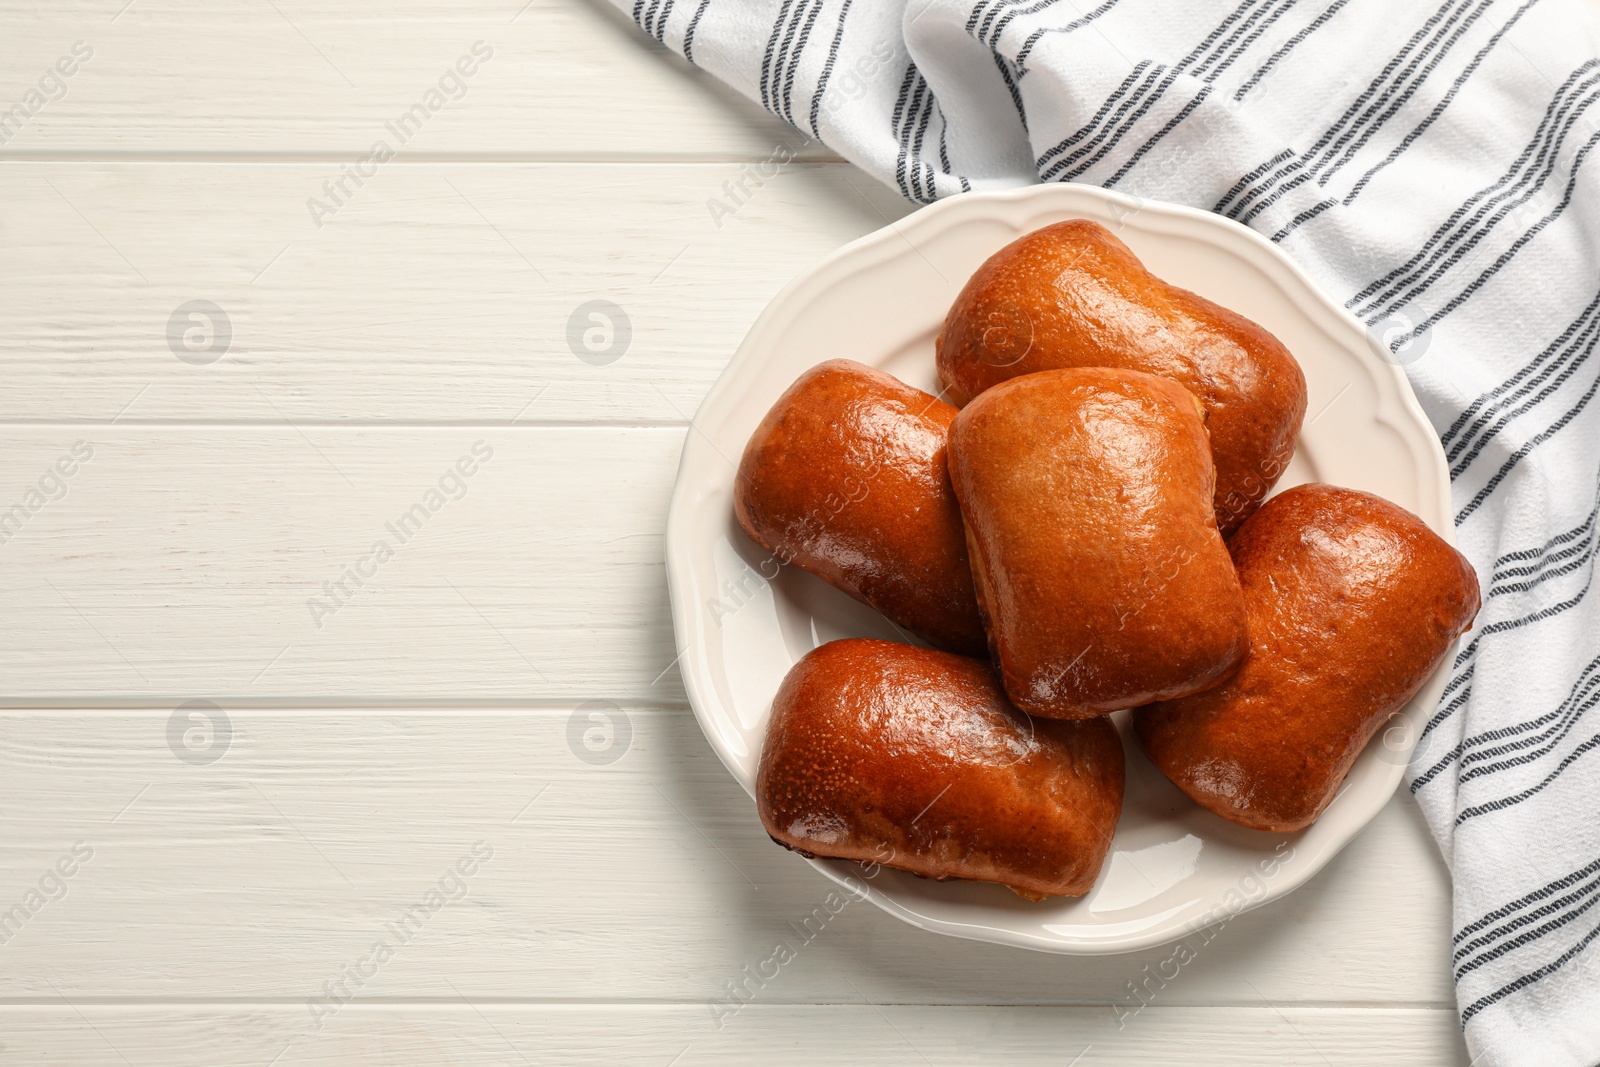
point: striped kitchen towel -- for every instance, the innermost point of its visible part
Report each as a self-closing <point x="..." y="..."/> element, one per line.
<point x="1425" y="161"/>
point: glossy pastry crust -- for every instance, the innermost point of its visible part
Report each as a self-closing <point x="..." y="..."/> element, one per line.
<point x="1353" y="602"/>
<point x="846" y="478"/>
<point x="913" y="758"/>
<point x="1101" y="575"/>
<point x="1072" y="295"/>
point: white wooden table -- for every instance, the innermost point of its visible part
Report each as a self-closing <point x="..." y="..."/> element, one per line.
<point x="231" y="862"/>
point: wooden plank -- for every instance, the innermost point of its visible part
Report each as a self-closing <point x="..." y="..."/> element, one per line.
<point x="651" y="1036"/>
<point x="632" y="870"/>
<point x="211" y="562"/>
<point x="435" y="293"/>
<point x="563" y="79"/>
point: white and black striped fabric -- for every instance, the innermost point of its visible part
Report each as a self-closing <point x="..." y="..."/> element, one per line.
<point x="1428" y="162"/>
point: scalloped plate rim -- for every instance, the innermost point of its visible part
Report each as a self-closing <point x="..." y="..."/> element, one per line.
<point x="1397" y="408"/>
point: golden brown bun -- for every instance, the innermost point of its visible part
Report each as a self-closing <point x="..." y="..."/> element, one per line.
<point x="1353" y="602"/>
<point x="846" y="478"/>
<point x="911" y="758"/>
<point x="1101" y="575"/>
<point x="1072" y="295"/>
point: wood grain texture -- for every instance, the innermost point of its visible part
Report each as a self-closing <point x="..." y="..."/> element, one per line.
<point x="650" y="1036"/>
<point x="183" y="562"/>
<point x="567" y="79"/>
<point x="436" y="293"/>
<point x="265" y="873"/>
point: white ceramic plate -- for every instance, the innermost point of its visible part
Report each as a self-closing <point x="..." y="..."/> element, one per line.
<point x="880" y="300"/>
